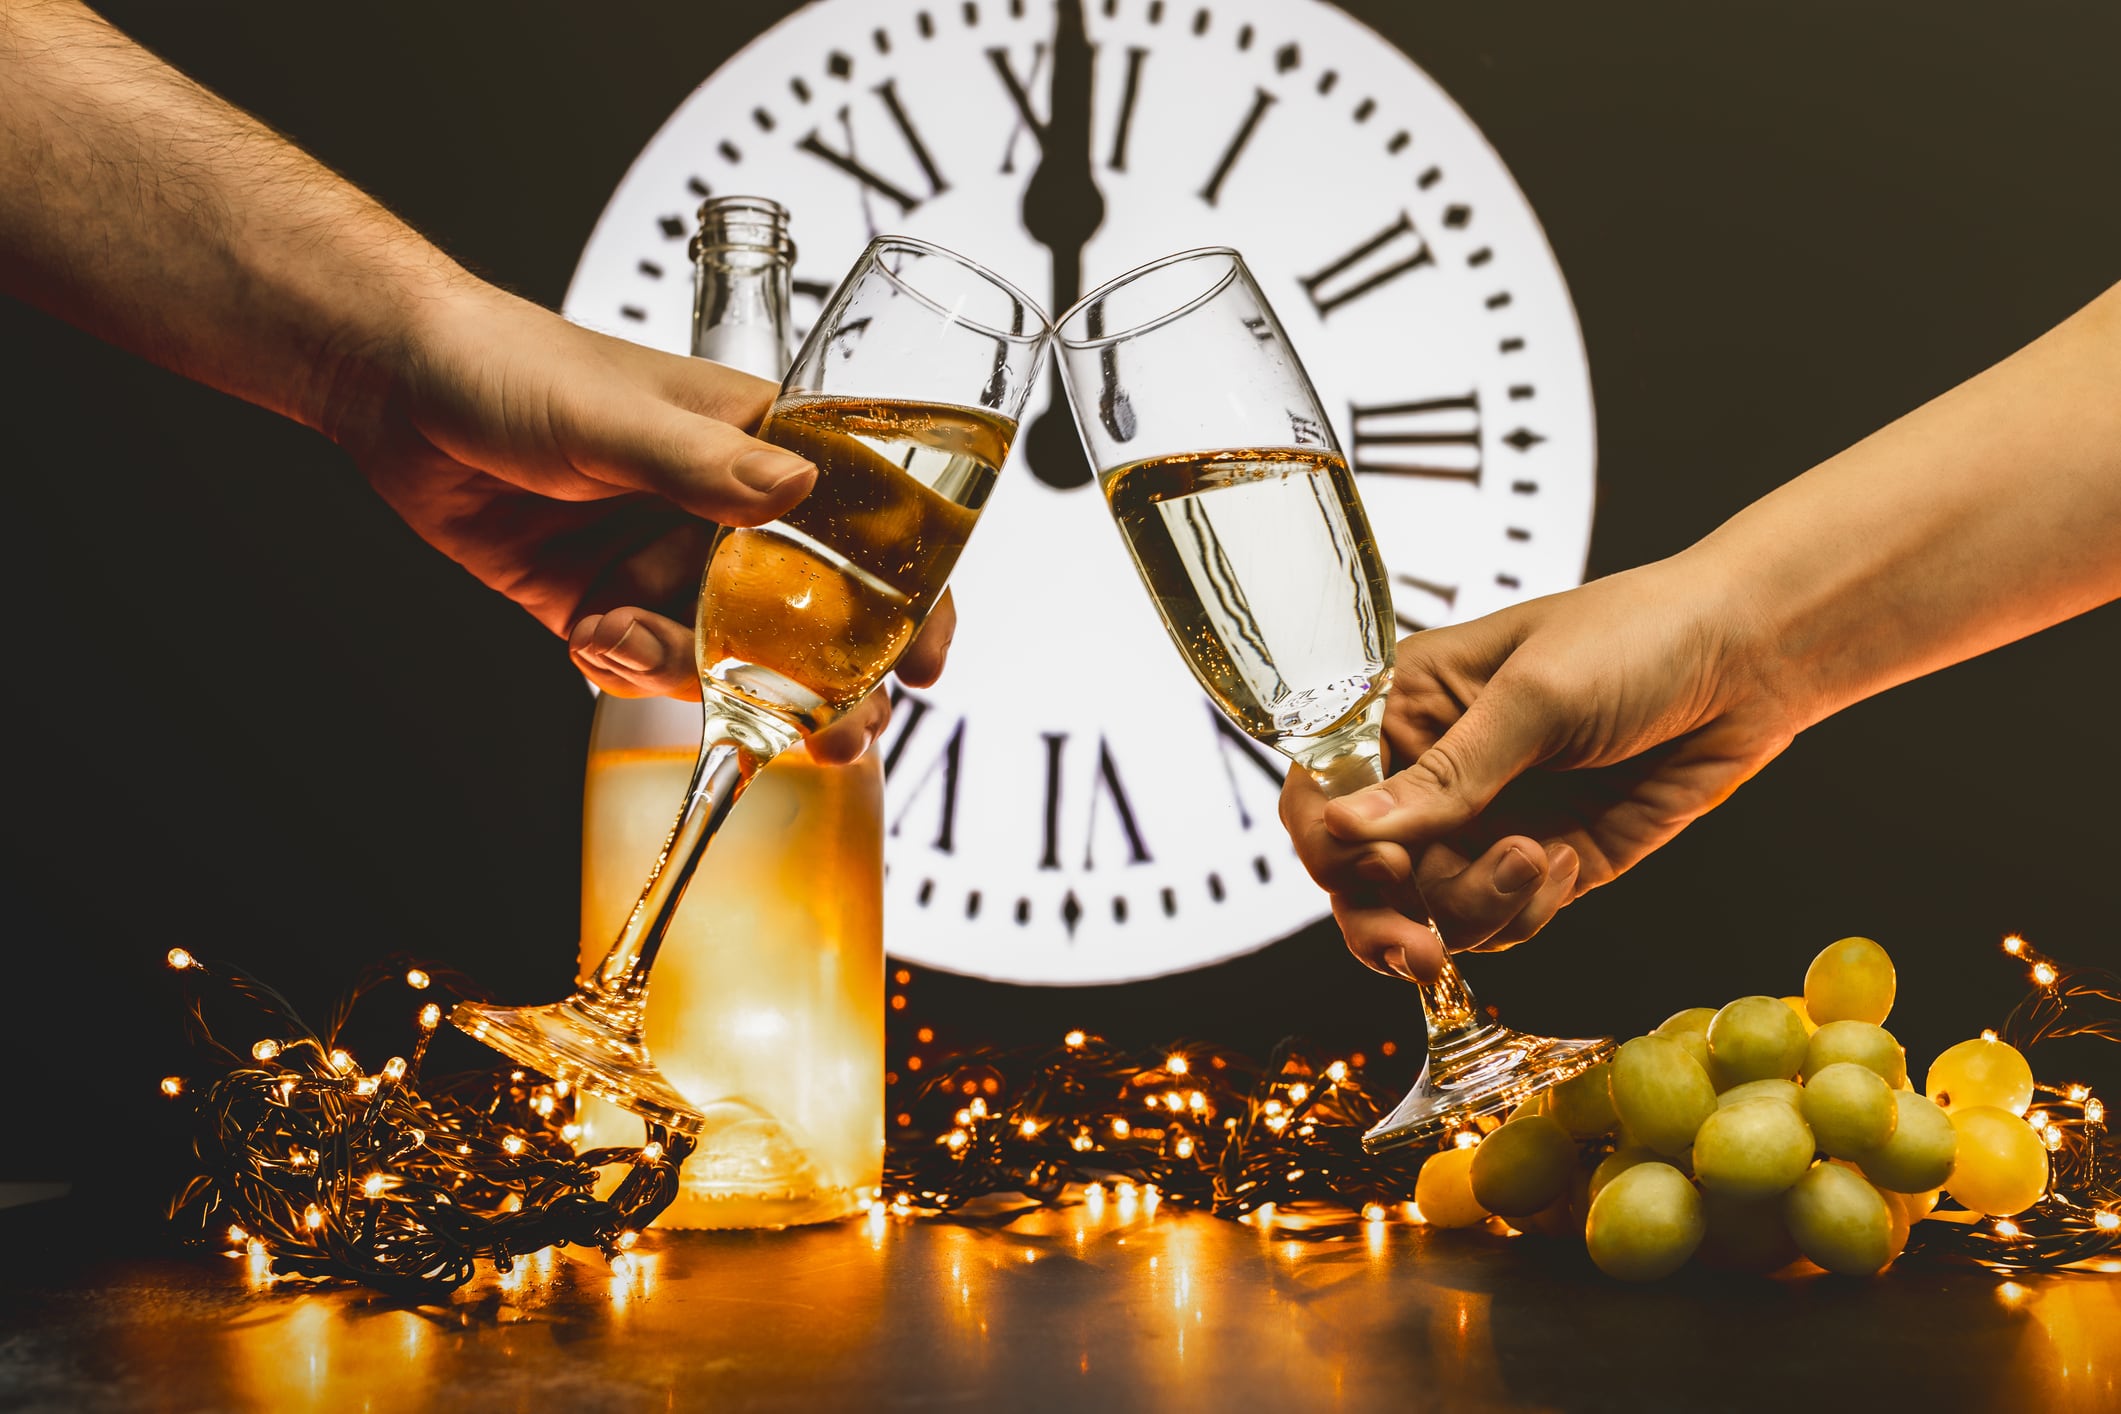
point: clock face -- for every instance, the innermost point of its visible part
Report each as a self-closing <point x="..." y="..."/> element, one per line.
<point x="1065" y="807"/>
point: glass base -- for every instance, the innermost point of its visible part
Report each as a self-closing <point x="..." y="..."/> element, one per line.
<point x="1480" y="1070"/>
<point x="569" y="1042"/>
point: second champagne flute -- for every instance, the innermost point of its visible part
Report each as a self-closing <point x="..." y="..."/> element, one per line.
<point x="906" y="397"/>
<point x="1228" y="485"/>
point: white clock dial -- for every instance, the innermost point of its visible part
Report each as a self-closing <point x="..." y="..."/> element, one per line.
<point x="1065" y="807"/>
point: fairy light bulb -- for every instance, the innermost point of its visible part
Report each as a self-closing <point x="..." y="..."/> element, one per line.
<point x="957" y="1139"/>
<point x="237" y="1236"/>
<point x="1183" y="1147"/>
<point x="2006" y="1229"/>
<point x="365" y="1086"/>
<point x="2106" y="1220"/>
<point x="1074" y="1039"/>
<point x="1299" y="1092"/>
<point x="265" y="1050"/>
<point x="394" y="1068"/>
<point x="1176" y="1064"/>
<point x="2014" y="945"/>
<point x="342" y="1061"/>
<point x="1028" y="1127"/>
<point x="651" y="1151"/>
<point x="1121" y="1129"/>
<point x="179" y="959"/>
<point x="2095" y="1111"/>
<point x="2044" y="973"/>
<point x="1373" y="1212"/>
<point x="1337" y="1072"/>
<point x="417" y="980"/>
<point x="172" y="1085"/>
<point x="430" y="1017"/>
<point x="2078" y="1094"/>
<point x="513" y="1144"/>
<point x="627" y="1239"/>
<point x="372" y="1185"/>
<point x="313" y="1217"/>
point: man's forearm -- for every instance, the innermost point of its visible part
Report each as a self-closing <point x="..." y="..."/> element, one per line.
<point x="1987" y="514"/>
<point x="146" y="210"/>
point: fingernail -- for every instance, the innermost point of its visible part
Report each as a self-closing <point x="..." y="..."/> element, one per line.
<point x="1396" y="959"/>
<point x="767" y="470"/>
<point x="1372" y="869"/>
<point x="1561" y="859"/>
<point x="1514" y="872"/>
<point x="1368" y="804"/>
<point x="637" y="650"/>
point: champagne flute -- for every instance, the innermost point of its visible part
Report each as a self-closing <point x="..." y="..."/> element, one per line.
<point x="906" y="396"/>
<point x="1228" y="486"/>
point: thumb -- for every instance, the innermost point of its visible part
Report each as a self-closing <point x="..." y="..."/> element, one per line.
<point x="698" y="463"/>
<point x="1448" y="785"/>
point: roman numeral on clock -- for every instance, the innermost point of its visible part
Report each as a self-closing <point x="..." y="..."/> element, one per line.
<point x="1236" y="749"/>
<point x="1434" y="438"/>
<point x="1436" y="602"/>
<point x="1261" y="101"/>
<point x="1386" y="256"/>
<point x="945" y="767"/>
<point x="1104" y="785"/>
<point x="847" y="162"/>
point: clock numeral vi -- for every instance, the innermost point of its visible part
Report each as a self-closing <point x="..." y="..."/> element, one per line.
<point x="1386" y="256"/>
<point x="946" y="765"/>
<point x="847" y="162"/>
<point x="1434" y="438"/>
<point x="1104" y="785"/>
<point x="1432" y="594"/>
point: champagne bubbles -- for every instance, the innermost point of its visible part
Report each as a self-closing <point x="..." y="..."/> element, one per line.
<point x="1919" y="1155"/>
<point x="1523" y="1166"/>
<point x="1755" y="1038"/>
<point x="1857" y="1041"/>
<point x="1850" y="1108"/>
<point x="2001" y="1165"/>
<point x="1753" y="1150"/>
<point x="1645" y="1223"/>
<point x="1852" y="980"/>
<point x="1840" y="1221"/>
<point x="1983" y="1071"/>
<point x="1660" y="1093"/>
<point x="1443" y="1190"/>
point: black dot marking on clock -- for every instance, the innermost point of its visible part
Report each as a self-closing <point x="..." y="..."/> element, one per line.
<point x="1111" y="8"/>
<point x="1480" y="257"/>
<point x="1456" y="216"/>
<point x="1244" y="37"/>
<point x="1215" y="887"/>
<point x="1016" y="9"/>
<point x="1524" y="439"/>
<point x="763" y="119"/>
<point x="800" y="89"/>
<point x="1156" y="12"/>
<point x="1170" y="903"/>
<point x="1326" y="81"/>
<point x="1259" y="867"/>
<point x="1525" y="488"/>
<point x="673" y="226"/>
<point x="634" y="312"/>
<point x="652" y="270"/>
<point x="972" y="904"/>
<point x="1520" y="391"/>
<point x="1499" y="300"/>
<point x="1023" y="912"/>
<point x="1508" y="581"/>
<point x="882" y="41"/>
<point x="1200" y="21"/>
<point x="1071" y="912"/>
<point x="1286" y="58"/>
<point x="729" y="151"/>
<point x="1512" y="345"/>
<point x="698" y="188"/>
<point x="1364" y="109"/>
<point x="838" y="65"/>
<point x="925" y="23"/>
<point x="927" y="892"/>
<point x="1119" y="909"/>
<point x="971" y="14"/>
<point x="1429" y="178"/>
<point x="1518" y="533"/>
<point x="1399" y="141"/>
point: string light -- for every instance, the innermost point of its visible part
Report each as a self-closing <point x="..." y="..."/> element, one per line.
<point x="394" y="1068"/>
<point x="1337" y="1072"/>
<point x="1074" y="1039"/>
<point x="172" y="1085"/>
<point x="512" y="1144"/>
<point x="417" y="979"/>
<point x="265" y="1050"/>
<point x="179" y="959"/>
<point x="2044" y="973"/>
<point x="2014" y="945"/>
<point x="373" y="1185"/>
<point x="1176" y="1064"/>
<point x="430" y="1017"/>
<point x="1373" y="1212"/>
<point x="342" y="1062"/>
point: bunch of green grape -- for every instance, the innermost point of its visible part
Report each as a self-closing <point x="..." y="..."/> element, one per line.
<point x="1751" y="1136"/>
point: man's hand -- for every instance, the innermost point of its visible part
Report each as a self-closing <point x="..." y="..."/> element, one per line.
<point x="583" y="477"/>
<point x="1542" y="751"/>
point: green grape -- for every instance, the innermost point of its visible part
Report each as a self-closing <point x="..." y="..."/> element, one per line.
<point x="1796" y="1004"/>
<point x="1534" y="1104"/>
<point x="2001" y="1166"/>
<point x="1523" y="1166"/>
<point x="1617" y="1163"/>
<point x="1919" y="1155"/>
<point x="1443" y="1190"/>
<point x="1857" y="1041"/>
<point x="1851" y="980"/>
<point x="1584" y="1103"/>
<point x="1660" y="1093"/>
<point x="1645" y="1223"/>
<point x="1753" y="1150"/>
<point x="1690" y="1028"/>
<point x="1850" y="1109"/>
<point x="1983" y="1071"/>
<point x="1840" y="1221"/>
<point x="1787" y="1091"/>
<point x="1745" y="1234"/>
<point x="1755" y="1038"/>
<point x="1919" y="1205"/>
<point x="1564" y="1217"/>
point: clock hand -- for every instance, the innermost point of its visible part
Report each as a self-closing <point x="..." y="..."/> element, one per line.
<point x="1062" y="209"/>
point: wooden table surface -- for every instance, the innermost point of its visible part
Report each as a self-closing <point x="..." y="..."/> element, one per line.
<point x="1109" y="1311"/>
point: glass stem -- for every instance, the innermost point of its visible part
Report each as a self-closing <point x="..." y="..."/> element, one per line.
<point x="1448" y="1004"/>
<point x="734" y="745"/>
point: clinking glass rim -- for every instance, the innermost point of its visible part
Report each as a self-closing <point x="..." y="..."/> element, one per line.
<point x="1235" y="265"/>
<point x="877" y="247"/>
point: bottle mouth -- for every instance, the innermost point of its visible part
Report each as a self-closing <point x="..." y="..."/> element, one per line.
<point x="742" y="225"/>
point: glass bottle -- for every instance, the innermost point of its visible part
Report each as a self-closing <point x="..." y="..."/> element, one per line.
<point x="768" y="1009"/>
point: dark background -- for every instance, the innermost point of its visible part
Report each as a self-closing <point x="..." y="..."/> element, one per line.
<point x="255" y="716"/>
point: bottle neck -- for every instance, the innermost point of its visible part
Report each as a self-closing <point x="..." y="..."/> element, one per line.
<point x="742" y="259"/>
